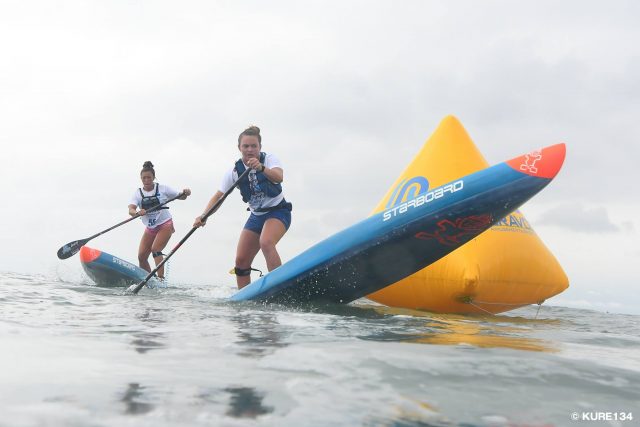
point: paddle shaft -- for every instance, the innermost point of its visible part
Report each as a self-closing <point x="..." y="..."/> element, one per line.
<point x="193" y="229"/>
<point x="72" y="248"/>
<point x="137" y="215"/>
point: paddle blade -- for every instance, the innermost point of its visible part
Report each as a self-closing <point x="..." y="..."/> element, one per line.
<point x="134" y="289"/>
<point x="71" y="248"/>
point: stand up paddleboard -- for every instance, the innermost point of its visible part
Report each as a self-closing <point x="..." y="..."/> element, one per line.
<point x="407" y="237"/>
<point x="506" y="267"/>
<point x="110" y="271"/>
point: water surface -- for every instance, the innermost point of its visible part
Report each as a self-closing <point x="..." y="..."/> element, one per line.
<point x="78" y="355"/>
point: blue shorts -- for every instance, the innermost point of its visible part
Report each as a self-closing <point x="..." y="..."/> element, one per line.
<point x="255" y="223"/>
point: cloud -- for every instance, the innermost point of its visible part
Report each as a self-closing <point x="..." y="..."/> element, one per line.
<point x="576" y="217"/>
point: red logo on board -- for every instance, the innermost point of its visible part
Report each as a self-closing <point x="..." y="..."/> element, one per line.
<point x="450" y="232"/>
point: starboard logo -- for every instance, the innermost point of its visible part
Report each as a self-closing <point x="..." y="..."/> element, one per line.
<point x="124" y="264"/>
<point x="408" y="189"/>
<point x="423" y="199"/>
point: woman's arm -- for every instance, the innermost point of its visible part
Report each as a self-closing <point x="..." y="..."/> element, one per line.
<point x="199" y="222"/>
<point x="274" y="175"/>
<point x="133" y="210"/>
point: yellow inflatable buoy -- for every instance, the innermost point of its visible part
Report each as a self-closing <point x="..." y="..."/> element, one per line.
<point x="506" y="267"/>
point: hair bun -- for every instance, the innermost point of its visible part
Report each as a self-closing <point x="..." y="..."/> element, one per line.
<point x="147" y="164"/>
<point x="250" y="131"/>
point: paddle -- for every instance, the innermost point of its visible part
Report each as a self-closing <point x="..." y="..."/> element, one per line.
<point x="136" y="288"/>
<point x="72" y="248"/>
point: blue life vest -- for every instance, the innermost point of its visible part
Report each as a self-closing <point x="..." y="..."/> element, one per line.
<point x="269" y="188"/>
<point x="150" y="201"/>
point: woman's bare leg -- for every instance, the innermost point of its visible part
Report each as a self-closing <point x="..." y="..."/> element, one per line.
<point x="271" y="234"/>
<point x="159" y="243"/>
<point x="144" y="250"/>
<point x="248" y="247"/>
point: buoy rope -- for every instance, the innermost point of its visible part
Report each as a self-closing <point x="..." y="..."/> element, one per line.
<point x="473" y="303"/>
<point x="480" y="308"/>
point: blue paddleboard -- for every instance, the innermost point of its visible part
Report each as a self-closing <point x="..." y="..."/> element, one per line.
<point x="406" y="238"/>
<point x="110" y="271"/>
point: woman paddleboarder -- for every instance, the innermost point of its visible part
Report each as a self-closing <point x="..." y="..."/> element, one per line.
<point x="158" y="223"/>
<point x="270" y="216"/>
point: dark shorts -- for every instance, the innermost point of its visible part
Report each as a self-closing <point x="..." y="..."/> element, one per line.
<point x="255" y="223"/>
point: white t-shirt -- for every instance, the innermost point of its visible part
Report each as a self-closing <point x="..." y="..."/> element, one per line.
<point x="160" y="216"/>
<point x="258" y="200"/>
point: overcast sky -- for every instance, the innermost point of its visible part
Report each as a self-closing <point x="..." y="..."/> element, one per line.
<point x="345" y="92"/>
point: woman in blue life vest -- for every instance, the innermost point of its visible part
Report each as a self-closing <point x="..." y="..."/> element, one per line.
<point x="270" y="213"/>
<point x="158" y="223"/>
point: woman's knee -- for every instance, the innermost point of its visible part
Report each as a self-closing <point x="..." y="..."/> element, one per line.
<point x="267" y="244"/>
<point x="243" y="260"/>
<point x="157" y="247"/>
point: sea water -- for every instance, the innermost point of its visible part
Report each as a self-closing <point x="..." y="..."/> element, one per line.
<point x="73" y="354"/>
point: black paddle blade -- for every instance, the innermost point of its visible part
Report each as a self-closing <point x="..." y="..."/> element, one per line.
<point x="134" y="289"/>
<point x="71" y="248"/>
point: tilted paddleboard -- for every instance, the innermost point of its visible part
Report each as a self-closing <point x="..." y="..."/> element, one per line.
<point x="506" y="267"/>
<point x="110" y="271"/>
<point x="407" y="237"/>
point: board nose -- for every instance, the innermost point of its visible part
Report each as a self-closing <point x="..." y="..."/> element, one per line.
<point x="543" y="163"/>
<point x="88" y="255"/>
